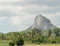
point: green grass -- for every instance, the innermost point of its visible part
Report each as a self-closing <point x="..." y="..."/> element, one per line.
<point x="5" y="43"/>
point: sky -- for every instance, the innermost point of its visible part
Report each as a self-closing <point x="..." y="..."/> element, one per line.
<point x="18" y="15"/>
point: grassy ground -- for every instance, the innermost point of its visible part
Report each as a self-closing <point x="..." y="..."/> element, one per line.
<point x="5" y="44"/>
<point x="43" y="45"/>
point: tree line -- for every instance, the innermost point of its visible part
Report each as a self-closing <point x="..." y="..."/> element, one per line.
<point x="34" y="36"/>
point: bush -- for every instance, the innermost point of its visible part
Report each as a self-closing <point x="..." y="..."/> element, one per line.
<point x="53" y="42"/>
<point x="20" y="42"/>
<point x="11" y="44"/>
<point x="34" y="40"/>
<point x="39" y="40"/>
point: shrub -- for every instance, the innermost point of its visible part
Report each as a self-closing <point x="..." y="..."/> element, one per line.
<point x="53" y="42"/>
<point x="20" y="42"/>
<point x="39" y="40"/>
<point x="34" y="40"/>
<point x="11" y="44"/>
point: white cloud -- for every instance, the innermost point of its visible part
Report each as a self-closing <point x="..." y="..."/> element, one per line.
<point x="52" y="15"/>
<point x="22" y="20"/>
<point x="48" y="0"/>
<point x="38" y="7"/>
<point x="11" y="8"/>
<point x="15" y="20"/>
<point x="9" y="1"/>
<point x="3" y="18"/>
<point x="15" y="8"/>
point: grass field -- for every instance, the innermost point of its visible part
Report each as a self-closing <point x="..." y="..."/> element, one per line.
<point x="5" y="44"/>
<point x="45" y="45"/>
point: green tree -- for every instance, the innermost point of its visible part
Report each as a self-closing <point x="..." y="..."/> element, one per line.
<point x="11" y="43"/>
<point x="20" y="42"/>
<point x="57" y="31"/>
<point x="49" y="33"/>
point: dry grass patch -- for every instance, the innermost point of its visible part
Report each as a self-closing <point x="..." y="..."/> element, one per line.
<point x="42" y="45"/>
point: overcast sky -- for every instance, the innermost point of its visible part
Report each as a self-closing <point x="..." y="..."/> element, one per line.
<point x="18" y="15"/>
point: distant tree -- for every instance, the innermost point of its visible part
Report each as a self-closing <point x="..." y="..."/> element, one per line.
<point x="20" y="42"/>
<point x="53" y="41"/>
<point x="49" y="33"/>
<point x="41" y="39"/>
<point x="11" y="43"/>
<point x="57" y="31"/>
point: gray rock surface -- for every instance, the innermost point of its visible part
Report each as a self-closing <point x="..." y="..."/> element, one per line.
<point x="42" y="23"/>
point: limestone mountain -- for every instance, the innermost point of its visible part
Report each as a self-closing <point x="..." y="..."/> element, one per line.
<point x="42" y="23"/>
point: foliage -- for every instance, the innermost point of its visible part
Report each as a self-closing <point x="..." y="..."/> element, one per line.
<point x="11" y="43"/>
<point x="34" y="36"/>
<point x="57" y="31"/>
<point x="39" y="40"/>
<point x="20" y="41"/>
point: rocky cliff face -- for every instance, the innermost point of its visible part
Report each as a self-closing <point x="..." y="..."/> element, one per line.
<point x="42" y="23"/>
